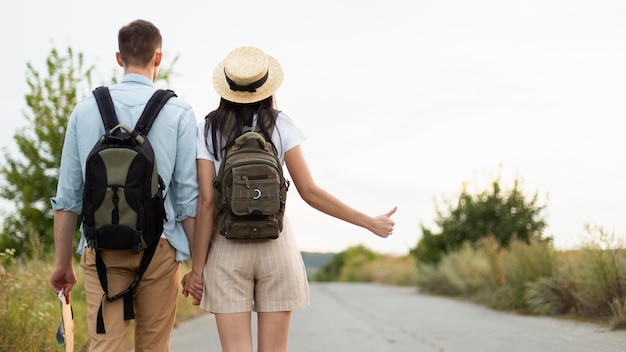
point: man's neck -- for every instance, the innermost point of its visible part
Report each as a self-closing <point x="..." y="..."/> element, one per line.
<point x="144" y="71"/>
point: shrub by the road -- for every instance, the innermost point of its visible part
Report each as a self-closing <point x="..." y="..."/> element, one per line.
<point x="535" y="278"/>
<point x="361" y="264"/>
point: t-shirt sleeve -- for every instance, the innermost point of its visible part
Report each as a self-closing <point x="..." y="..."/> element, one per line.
<point x="203" y="145"/>
<point x="287" y="135"/>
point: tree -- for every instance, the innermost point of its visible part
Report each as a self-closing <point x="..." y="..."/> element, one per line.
<point x="31" y="178"/>
<point x="498" y="213"/>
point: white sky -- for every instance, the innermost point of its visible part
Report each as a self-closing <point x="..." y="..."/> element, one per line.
<point x="402" y="101"/>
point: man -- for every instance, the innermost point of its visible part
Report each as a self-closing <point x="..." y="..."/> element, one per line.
<point x="173" y="138"/>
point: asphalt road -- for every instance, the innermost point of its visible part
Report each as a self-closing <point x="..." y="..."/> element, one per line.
<point x="367" y="317"/>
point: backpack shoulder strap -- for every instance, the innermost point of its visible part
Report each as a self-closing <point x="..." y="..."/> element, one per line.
<point x="270" y="132"/>
<point x="105" y="105"/>
<point x="256" y="128"/>
<point x="152" y="109"/>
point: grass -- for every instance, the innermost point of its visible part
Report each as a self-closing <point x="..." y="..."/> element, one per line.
<point x="30" y="312"/>
<point x="386" y="269"/>
<point x="27" y="312"/>
<point x="588" y="283"/>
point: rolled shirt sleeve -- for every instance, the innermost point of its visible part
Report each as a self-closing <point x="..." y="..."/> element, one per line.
<point x="70" y="185"/>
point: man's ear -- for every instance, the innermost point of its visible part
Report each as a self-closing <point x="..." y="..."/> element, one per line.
<point x="157" y="58"/>
<point x="118" y="57"/>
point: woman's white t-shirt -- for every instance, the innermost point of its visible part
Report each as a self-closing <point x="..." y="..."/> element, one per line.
<point x="286" y="135"/>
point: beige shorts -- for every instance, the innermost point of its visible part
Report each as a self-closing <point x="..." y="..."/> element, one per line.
<point x="261" y="276"/>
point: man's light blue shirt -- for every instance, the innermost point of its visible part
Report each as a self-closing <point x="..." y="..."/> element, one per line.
<point x="173" y="138"/>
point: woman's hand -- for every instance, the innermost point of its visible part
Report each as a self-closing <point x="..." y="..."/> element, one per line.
<point x="193" y="285"/>
<point x="383" y="225"/>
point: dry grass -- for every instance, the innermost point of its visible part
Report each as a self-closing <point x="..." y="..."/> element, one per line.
<point x="30" y="313"/>
<point x="589" y="283"/>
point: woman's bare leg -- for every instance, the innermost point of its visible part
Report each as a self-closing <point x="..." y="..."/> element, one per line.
<point x="235" y="331"/>
<point x="273" y="331"/>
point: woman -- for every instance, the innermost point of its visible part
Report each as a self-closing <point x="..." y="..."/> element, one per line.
<point x="232" y="278"/>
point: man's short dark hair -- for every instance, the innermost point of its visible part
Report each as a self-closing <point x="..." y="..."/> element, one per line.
<point x="138" y="42"/>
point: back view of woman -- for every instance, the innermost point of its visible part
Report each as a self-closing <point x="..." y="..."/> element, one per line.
<point x="232" y="278"/>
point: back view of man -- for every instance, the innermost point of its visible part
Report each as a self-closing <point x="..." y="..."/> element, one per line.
<point x="173" y="138"/>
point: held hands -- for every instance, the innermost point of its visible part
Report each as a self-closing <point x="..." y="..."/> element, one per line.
<point x="383" y="225"/>
<point x="192" y="285"/>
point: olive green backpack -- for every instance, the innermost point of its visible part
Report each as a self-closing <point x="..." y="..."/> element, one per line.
<point x="251" y="189"/>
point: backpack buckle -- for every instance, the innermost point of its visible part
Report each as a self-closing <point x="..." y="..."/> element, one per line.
<point x="129" y="291"/>
<point x="137" y="242"/>
<point x="90" y="235"/>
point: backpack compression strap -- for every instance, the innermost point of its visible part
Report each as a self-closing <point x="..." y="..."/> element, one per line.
<point x="152" y="109"/>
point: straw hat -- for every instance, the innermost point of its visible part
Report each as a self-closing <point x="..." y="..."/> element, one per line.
<point x="247" y="75"/>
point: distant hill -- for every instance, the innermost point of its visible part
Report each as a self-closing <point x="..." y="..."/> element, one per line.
<point x="313" y="261"/>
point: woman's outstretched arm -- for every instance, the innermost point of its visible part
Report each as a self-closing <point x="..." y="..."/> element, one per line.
<point x="320" y="199"/>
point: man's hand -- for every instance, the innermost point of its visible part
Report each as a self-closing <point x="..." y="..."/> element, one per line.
<point x="63" y="277"/>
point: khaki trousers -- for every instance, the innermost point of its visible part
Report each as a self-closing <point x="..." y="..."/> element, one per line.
<point x="154" y="302"/>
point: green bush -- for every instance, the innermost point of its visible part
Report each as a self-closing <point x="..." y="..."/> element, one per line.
<point x="344" y="266"/>
<point x="501" y="214"/>
<point x="457" y="274"/>
<point x="360" y="264"/>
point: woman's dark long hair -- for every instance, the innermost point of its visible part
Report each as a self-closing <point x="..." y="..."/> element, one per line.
<point x="230" y="118"/>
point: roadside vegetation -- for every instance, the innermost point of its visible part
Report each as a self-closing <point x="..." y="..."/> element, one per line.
<point x="587" y="283"/>
<point x="478" y="254"/>
<point x="30" y="311"/>
<point x="360" y="264"/>
<point x="491" y="248"/>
